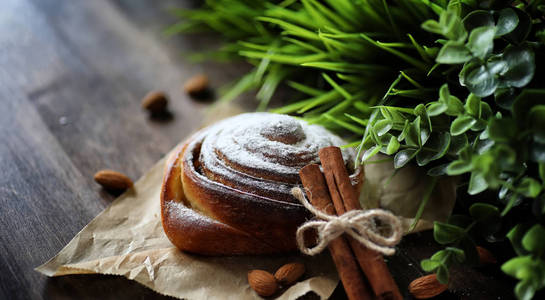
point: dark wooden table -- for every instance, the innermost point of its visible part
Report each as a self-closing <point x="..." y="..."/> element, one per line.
<point x="72" y="74"/>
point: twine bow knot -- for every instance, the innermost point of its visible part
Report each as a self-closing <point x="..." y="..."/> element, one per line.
<point x="359" y="224"/>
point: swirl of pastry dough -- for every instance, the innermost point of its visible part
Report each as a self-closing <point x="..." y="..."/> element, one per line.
<point x="228" y="189"/>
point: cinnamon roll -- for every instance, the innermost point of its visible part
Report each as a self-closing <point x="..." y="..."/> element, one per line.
<point x="226" y="190"/>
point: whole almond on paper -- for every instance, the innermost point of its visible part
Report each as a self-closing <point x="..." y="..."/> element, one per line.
<point x="113" y="180"/>
<point x="155" y="102"/>
<point x="485" y="256"/>
<point x="289" y="273"/>
<point x="196" y="84"/>
<point x="426" y="287"/>
<point x="263" y="282"/>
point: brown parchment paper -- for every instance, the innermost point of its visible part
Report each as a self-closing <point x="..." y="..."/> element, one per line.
<point x="127" y="239"/>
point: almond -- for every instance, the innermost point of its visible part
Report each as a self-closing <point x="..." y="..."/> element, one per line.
<point x="155" y="102"/>
<point x="426" y="287"/>
<point x="262" y="282"/>
<point x="289" y="273"/>
<point x="485" y="256"/>
<point x="113" y="180"/>
<point x="196" y="85"/>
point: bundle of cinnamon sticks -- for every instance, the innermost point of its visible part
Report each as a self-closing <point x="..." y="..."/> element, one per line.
<point x="363" y="272"/>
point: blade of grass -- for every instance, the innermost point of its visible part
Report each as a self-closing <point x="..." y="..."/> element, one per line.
<point x="344" y="124"/>
<point x="337" y="87"/>
<point x="403" y="56"/>
<point x="412" y="81"/>
<point x="305" y="88"/>
<point x="425" y="198"/>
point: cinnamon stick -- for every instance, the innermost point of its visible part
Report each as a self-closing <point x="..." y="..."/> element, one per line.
<point x="347" y="267"/>
<point x="345" y="198"/>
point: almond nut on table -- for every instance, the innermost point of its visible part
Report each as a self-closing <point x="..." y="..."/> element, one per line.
<point x="113" y="180"/>
<point x="196" y="84"/>
<point x="426" y="287"/>
<point x="263" y="282"/>
<point x="155" y="102"/>
<point x="289" y="273"/>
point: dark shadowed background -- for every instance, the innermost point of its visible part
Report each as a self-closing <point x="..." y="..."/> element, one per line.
<point x="72" y="74"/>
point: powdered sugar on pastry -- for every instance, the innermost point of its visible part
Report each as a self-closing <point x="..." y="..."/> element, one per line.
<point x="262" y="152"/>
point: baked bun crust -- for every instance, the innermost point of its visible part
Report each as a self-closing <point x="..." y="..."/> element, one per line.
<point x="226" y="190"/>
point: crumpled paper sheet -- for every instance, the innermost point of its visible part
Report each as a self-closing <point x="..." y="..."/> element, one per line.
<point x="402" y="191"/>
<point x="127" y="239"/>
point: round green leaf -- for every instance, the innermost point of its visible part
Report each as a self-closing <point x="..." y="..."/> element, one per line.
<point x="477" y="183"/>
<point x="442" y="274"/>
<point x="505" y="97"/>
<point x="454" y="106"/>
<point x="436" y="108"/>
<point x="507" y="153"/>
<point x="432" y="26"/>
<point x="478" y="18"/>
<point x="413" y="134"/>
<point x="370" y="152"/>
<point x="496" y="64"/>
<point x="483" y="145"/>
<point x="453" y="53"/>
<point x="429" y="265"/>
<point x="534" y="239"/>
<point x="479" y="125"/>
<point x="438" y="171"/>
<point x="452" y="26"/>
<point x="481" y="41"/>
<point x="440" y="255"/>
<point x="424" y="136"/>
<point x="460" y="220"/>
<point x="457" y="254"/>
<point x="529" y="187"/>
<point x="403" y="157"/>
<point x="515" y="235"/>
<point x="478" y="79"/>
<point x="446" y="233"/>
<point x="473" y="106"/>
<point x="403" y="133"/>
<point x="461" y="124"/>
<point x="384" y="140"/>
<point x="458" y="167"/>
<point x="393" y="146"/>
<point x="457" y="143"/>
<point x="444" y="93"/>
<point x="520" y="66"/>
<point x="502" y="130"/>
<point x="420" y="110"/>
<point x="439" y="142"/>
<point x="436" y="147"/>
<point x="525" y="290"/>
<point x="486" y="111"/>
<point x="382" y="126"/>
<point x="484" y="212"/>
<point x="507" y="21"/>
<point x="521" y="31"/>
<point x="513" y="266"/>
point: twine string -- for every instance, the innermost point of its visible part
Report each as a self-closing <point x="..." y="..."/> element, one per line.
<point x="359" y="224"/>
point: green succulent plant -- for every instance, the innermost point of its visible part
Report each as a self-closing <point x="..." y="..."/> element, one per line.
<point x="456" y="87"/>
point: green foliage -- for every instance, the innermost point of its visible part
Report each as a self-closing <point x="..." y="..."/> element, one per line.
<point x="453" y="86"/>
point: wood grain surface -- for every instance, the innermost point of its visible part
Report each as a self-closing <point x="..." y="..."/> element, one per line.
<point x="72" y="74"/>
